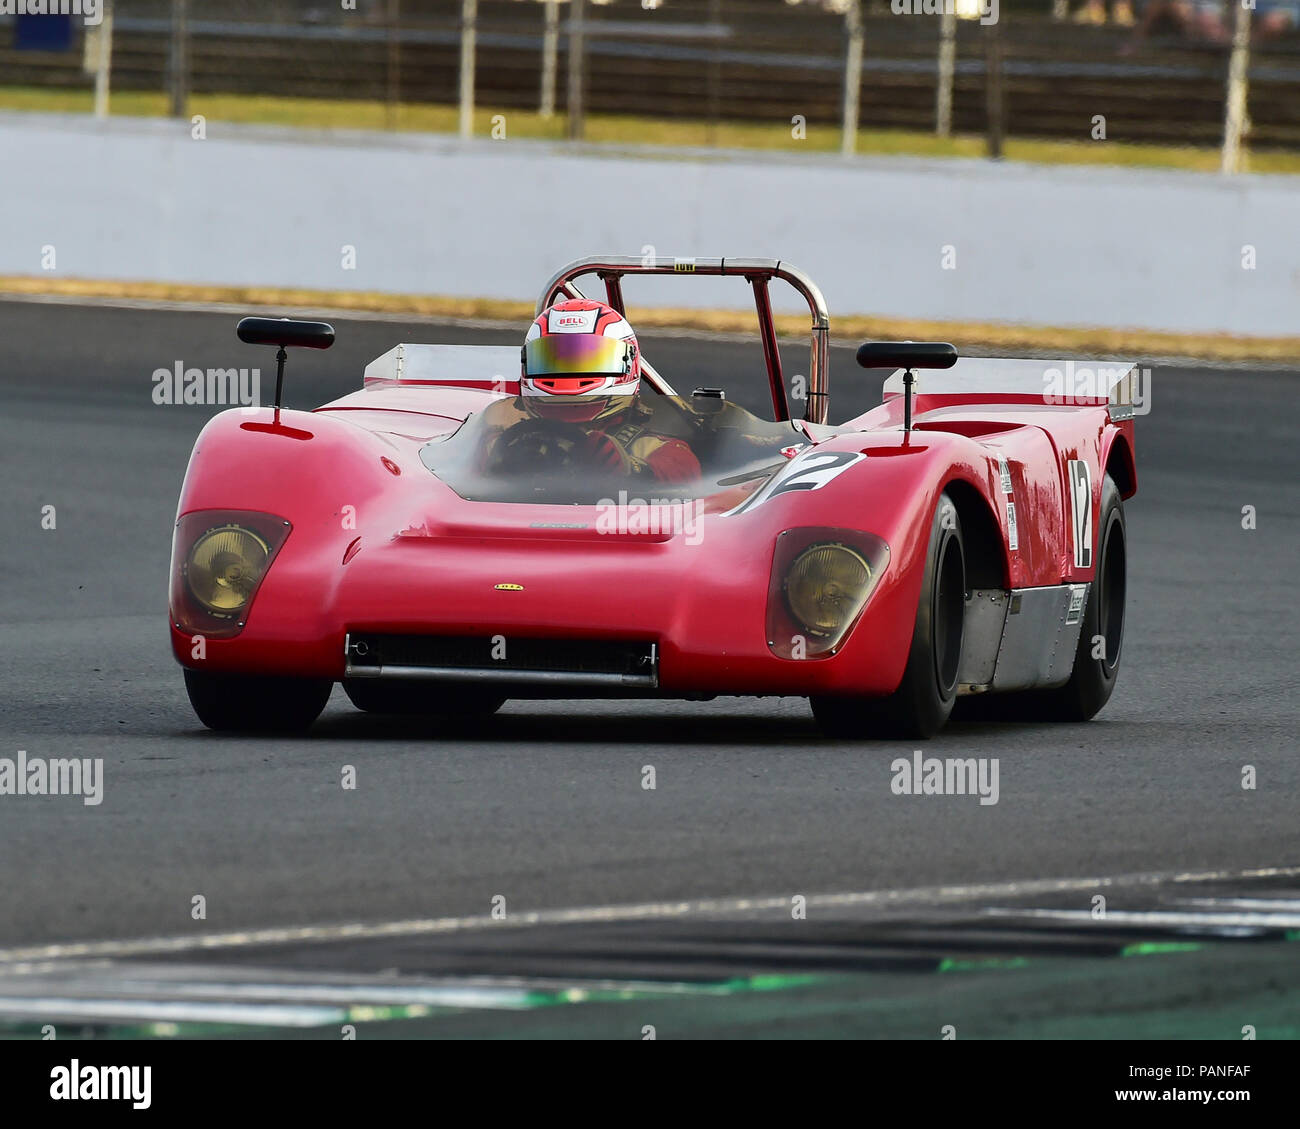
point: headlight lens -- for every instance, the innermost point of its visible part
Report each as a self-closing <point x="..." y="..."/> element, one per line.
<point x="827" y="586"/>
<point x="219" y="560"/>
<point x="822" y="579"/>
<point x="224" y="568"/>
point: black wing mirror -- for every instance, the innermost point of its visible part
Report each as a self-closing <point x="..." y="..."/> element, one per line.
<point x="907" y="355"/>
<point x="283" y="332"/>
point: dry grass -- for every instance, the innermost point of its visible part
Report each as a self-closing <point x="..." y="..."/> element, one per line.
<point x="1010" y="339"/>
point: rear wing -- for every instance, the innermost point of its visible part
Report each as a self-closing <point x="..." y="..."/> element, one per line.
<point x="1118" y="385"/>
<point x="494" y="368"/>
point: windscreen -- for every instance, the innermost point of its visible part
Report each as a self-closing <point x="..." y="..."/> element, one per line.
<point x="587" y="450"/>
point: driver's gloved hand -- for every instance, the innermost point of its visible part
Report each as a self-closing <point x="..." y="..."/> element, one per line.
<point x="604" y="452"/>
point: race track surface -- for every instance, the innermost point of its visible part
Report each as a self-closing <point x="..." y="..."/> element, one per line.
<point x="543" y="805"/>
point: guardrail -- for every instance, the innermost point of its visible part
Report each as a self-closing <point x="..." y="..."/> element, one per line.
<point x="717" y="60"/>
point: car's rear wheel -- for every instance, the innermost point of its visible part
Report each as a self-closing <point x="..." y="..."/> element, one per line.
<point x="256" y="704"/>
<point x="421" y="698"/>
<point x="921" y="704"/>
<point x="1101" y="636"/>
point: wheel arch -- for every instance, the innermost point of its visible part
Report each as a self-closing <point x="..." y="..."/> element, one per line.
<point x="986" y="558"/>
<point x="1120" y="464"/>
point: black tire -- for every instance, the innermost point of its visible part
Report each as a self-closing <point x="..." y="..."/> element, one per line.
<point x="421" y="699"/>
<point x="255" y="704"/>
<point x="1093" y="679"/>
<point x="921" y="704"/>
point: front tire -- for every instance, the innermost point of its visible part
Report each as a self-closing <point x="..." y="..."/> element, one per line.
<point x="924" y="699"/>
<point x="254" y="704"/>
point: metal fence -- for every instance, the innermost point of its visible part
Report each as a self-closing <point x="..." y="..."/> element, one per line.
<point x="1033" y="71"/>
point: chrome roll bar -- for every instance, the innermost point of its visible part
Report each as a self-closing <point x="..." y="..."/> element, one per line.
<point x="758" y="272"/>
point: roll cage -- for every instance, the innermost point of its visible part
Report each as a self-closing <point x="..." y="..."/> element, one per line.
<point x="758" y="273"/>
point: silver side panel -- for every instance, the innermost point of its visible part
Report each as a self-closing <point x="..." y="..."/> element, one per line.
<point x="1040" y="637"/>
<point x="986" y="616"/>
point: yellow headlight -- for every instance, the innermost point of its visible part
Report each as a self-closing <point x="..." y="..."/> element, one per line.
<point x="827" y="586"/>
<point x="224" y="567"/>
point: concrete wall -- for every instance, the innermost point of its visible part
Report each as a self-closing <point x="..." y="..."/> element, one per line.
<point x="141" y="199"/>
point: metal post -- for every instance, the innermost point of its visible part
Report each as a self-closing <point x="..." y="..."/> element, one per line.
<point x="468" y="41"/>
<point x="550" y="56"/>
<point x="104" y="61"/>
<point x="947" y="68"/>
<point x="714" y="82"/>
<point x="993" y="89"/>
<point x="178" y="58"/>
<point x="577" y="67"/>
<point x="1234" y="120"/>
<point x="852" y="78"/>
<point x="393" y="102"/>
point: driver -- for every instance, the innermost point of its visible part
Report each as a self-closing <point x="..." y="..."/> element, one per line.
<point x="581" y="366"/>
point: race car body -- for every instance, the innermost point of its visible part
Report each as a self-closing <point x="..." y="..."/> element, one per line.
<point x="433" y="546"/>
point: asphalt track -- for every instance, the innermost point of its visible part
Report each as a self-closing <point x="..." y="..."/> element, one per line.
<point x="543" y="804"/>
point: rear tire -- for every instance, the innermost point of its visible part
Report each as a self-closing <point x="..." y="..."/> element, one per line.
<point x="921" y="704"/>
<point x="421" y="699"/>
<point x="255" y="704"/>
<point x="1093" y="679"/>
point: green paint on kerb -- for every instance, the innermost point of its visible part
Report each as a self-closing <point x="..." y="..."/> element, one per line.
<point x="779" y="983"/>
<point x="950" y="965"/>
<point x="1153" y="948"/>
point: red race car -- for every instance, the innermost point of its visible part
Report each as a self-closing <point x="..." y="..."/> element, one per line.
<point x="479" y="523"/>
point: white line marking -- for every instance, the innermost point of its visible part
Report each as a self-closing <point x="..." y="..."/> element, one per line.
<point x="1158" y="917"/>
<point x="1285" y="905"/>
<point x="163" y="1011"/>
<point x="594" y="915"/>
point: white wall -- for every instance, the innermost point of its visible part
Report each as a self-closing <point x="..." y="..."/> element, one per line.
<point x="1070" y="245"/>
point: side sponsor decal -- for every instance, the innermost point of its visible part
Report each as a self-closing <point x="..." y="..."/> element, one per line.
<point x="1004" y="472"/>
<point x="809" y="471"/>
<point x="1013" y="538"/>
<point x="1081" y="511"/>
<point x="1078" y="595"/>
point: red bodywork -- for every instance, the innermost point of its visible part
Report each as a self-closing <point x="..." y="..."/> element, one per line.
<point x="378" y="543"/>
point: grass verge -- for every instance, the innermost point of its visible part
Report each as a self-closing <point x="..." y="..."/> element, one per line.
<point x="617" y="129"/>
<point x="1134" y="344"/>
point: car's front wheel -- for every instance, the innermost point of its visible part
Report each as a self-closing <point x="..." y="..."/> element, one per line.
<point x="254" y="703"/>
<point x="924" y="699"/>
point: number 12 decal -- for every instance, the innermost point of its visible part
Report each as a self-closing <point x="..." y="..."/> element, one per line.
<point x="1081" y="510"/>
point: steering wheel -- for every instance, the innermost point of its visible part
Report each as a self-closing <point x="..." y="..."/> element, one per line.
<point x="539" y="444"/>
